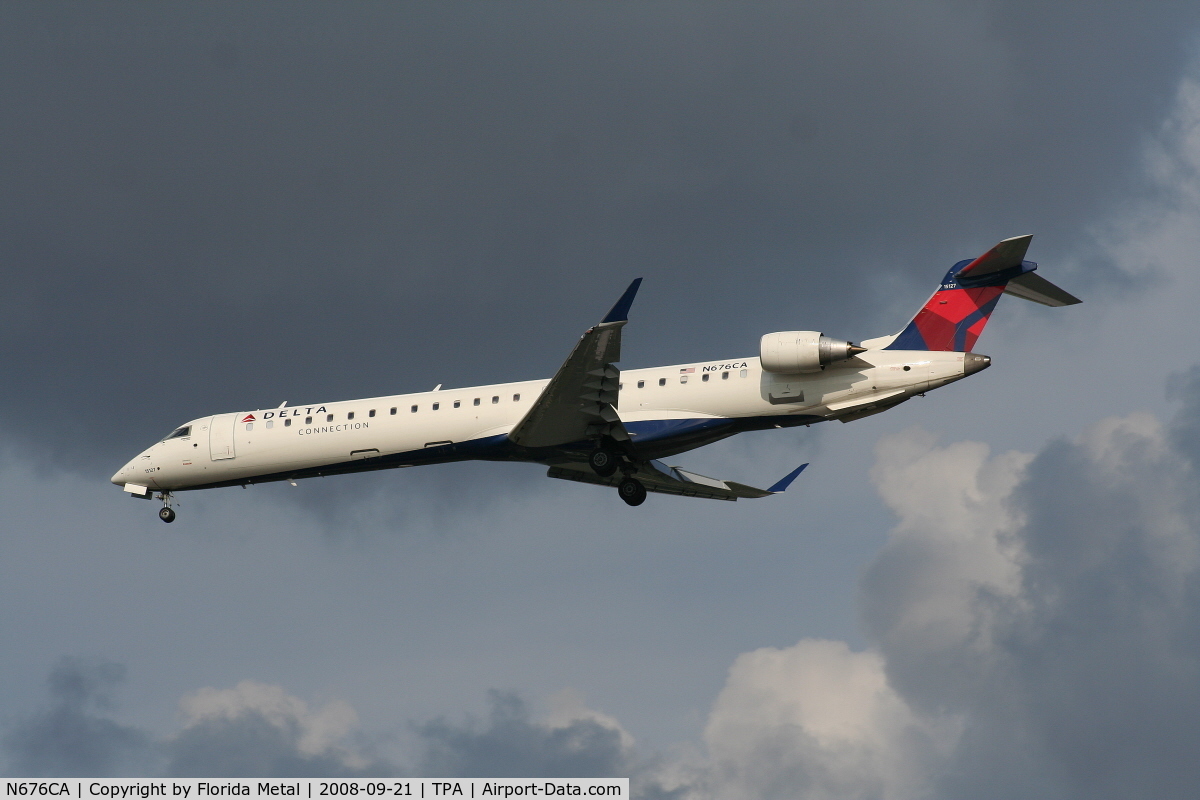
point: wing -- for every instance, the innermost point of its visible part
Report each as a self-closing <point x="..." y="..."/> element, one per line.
<point x="580" y="401"/>
<point x="658" y="477"/>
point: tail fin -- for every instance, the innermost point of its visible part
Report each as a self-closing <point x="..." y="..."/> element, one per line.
<point x="956" y="314"/>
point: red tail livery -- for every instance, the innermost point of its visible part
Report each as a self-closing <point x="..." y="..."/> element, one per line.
<point x="953" y="318"/>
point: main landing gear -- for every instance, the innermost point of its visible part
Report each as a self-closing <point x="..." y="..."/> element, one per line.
<point x="166" y="513"/>
<point x="632" y="491"/>
<point x="603" y="461"/>
<point x="606" y="459"/>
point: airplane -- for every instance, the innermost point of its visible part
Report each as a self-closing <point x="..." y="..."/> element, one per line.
<point x="594" y="423"/>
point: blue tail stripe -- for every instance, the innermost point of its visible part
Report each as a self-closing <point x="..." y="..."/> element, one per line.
<point x="960" y="330"/>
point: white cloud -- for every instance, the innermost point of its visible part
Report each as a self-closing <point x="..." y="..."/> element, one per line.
<point x="315" y="732"/>
<point x="1033" y="622"/>
<point x="817" y="720"/>
<point x="954" y="529"/>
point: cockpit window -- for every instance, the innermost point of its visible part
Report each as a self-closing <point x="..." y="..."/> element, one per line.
<point x="184" y="431"/>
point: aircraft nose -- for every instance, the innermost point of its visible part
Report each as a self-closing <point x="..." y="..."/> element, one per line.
<point x="122" y="475"/>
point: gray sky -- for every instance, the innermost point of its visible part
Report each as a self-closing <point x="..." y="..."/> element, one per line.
<point x="220" y="207"/>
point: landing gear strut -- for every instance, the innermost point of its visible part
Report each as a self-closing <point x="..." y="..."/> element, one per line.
<point x="632" y="491"/>
<point x="166" y="513"/>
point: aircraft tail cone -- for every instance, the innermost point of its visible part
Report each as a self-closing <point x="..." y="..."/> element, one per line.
<point x="973" y="363"/>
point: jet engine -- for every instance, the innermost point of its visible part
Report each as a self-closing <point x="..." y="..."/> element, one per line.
<point x="803" y="351"/>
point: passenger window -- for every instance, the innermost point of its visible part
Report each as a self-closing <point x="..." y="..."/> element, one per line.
<point x="620" y="386"/>
<point x="516" y="398"/>
<point x="495" y="400"/>
<point x="308" y="420"/>
<point x="249" y="426"/>
<point x="393" y="411"/>
<point x="641" y="384"/>
<point x="476" y="401"/>
<point x="743" y="373"/>
<point x="329" y="418"/>
<point x="350" y="415"/>
<point x="414" y="409"/>
<point x="436" y="406"/>
<point x="287" y="423"/>
<point x="662" y="381"/>
<point x="724" y="376"/>
<point x="704" y="377"/>
<point x="270" y="424"/>
<point x="683" y="378"/>
<point x="371" y="413"/>
<point x="457" y="403"/>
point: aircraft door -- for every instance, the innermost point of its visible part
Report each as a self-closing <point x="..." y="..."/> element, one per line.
<point x="220" y="436"/>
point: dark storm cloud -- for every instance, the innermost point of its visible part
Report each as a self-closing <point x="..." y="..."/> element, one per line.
<point x="256" y="730"/>
<point x="1082" y="679"/>
<point x="78" y="736"/>
<point x="511" y="745"/>
<point x="225" y="206"/>
<point x="251" y="746"/>
<point x="74" y="737"/>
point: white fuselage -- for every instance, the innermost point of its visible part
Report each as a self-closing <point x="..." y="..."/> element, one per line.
<point x="665" y="409"/>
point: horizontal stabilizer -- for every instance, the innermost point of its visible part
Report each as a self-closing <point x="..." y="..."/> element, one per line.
<point x="1006" y="255"/>
<point x="1032" y="286"/>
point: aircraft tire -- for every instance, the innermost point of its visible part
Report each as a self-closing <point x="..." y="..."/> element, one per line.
<point x="166" y="514"/>
<point x="603" y="461"/>
<point x="632" y="492"/>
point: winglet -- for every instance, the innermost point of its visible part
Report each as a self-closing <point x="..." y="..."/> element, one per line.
<point x="786" y="480"/>
<point x="620" y="311"/>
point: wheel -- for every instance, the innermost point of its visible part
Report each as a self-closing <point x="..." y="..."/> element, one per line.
<point x="603" y="462"/>
<point x="166" y="514"/>
<point x="632" y="492"/>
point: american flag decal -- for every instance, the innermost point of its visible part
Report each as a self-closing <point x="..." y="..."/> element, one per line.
<point x="687" y="369"/>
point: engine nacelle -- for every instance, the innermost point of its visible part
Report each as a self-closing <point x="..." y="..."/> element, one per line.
<point x="802" y="351"/>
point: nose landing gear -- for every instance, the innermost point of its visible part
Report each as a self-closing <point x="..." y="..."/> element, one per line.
<point x="166" y="513"/>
